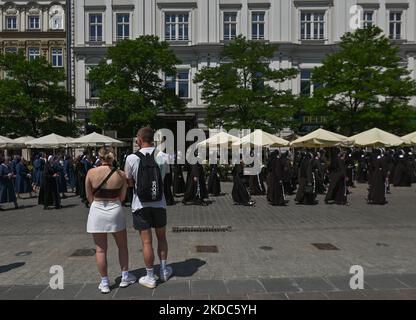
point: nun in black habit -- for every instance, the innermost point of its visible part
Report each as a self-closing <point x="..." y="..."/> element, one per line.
<point x="167" y="188"/>
<point x="306" y="193"/>
<point x="196" y="190"/>
<point x="276" y="196"/>
<point x="214" y="183"/>
<point x="256" y="183"/>
<point x="240" y="194"/>
<point x="377" y="180"/>
<point x="49" y="192"/>
<point x="362" y="169"/>
<point x="288" y="173"/>
<point x="178" y="180"/>
<point x="319" y="174"/>
<point x="350" y="169"/>
<point x="337" y="189"/>
<point x="402" y="173"/>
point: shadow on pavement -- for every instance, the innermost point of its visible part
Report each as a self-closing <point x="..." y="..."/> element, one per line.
<point x="11" y="266"/>
<point x="182" y="269"/>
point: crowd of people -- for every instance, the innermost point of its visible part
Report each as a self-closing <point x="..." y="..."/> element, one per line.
<point x="332" y="172"/>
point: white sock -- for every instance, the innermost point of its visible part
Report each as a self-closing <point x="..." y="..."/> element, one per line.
<point x="162" y="264"/>
<point x="124" y="275"/>
<point x="150" y="273"/>
<point x="105" y="281"/>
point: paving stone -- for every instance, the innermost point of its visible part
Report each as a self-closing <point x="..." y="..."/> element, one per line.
<point x="23" y="292"/>
<point x="313" y="284"/>
<point x="228" y="297"/>
<point x="346" y="295"/>
<point x="68" y="293"/>
<point x="90" y="292"/>
<point x="267" y="296"/>
<point x="409" y="294"/>
<point x="384" y="295"/>
<point x="134" y="290"/>
<point x="383" y="282"/>
<point x="243" y="286"/>
<point x="171" y="288"/>
<point x="307" y="296"/>
<point x="341" y="283"/>
<point x="408" y="279"/>
<point x="193" y="297"/>
<point x="279" y="285"/>
<point x="3" y="289"/>
<point x="208" y="287"/>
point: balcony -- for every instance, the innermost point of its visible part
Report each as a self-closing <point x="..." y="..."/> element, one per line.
<point x="92" y="103"/>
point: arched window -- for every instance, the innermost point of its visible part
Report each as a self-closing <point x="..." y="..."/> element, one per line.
<point x="56" y="18"/>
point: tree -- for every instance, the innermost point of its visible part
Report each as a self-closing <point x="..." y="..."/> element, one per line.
<point x="364" y="85"/>
<point x="130" y="87"/>
<point x="242" y="92"/>
<point x="33" y="97"/>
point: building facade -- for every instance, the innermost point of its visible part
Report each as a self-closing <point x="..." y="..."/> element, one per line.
<point x="305" y="30"/>
<point x="36" y="27"/>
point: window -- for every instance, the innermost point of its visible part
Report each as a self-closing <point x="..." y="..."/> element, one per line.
<point x="396" y="25"/>
<point x="123" y="26"/>
<point x="230" y="25"/>
<point x="56" y="23"/>
<point x="11" y="23"/>
<point x="179" y="83"/>
<point x="312" y="26"/>
<point x="10" y="50"/>
<point x="93" y="90"/>
<point x="257" y="25"/>
<point x="57" y="57"/>
<point x="257" y="81"/>
<point x="56" y="20"/>
<point x="96" y="27"/>
<point x="368" y="19"/>
<point x="306" y="86"/>
<point x="33" y="23"/>
<point x="177" y="27"/>
<point x="33" y="53"/>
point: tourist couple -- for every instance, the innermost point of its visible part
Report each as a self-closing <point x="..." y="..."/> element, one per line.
<point x="106" y="188"/>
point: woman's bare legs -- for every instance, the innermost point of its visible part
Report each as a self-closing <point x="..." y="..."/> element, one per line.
<point x="100" y="240"/>
<point x="123" y="252"/>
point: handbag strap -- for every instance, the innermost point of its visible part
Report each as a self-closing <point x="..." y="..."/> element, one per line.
<point x="105" y="181"/>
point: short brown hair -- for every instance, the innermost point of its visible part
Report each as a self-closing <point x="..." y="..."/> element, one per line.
<point x="146" y="134"/>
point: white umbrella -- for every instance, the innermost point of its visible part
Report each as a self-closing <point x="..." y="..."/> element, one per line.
<point x="94" y="140"/>
<point x="220" y="139"/>
<point x="50" y="141"/>
<point x="410" y="139"/>
<point x="320" y="138"/>
<point x="262" y="139"/>
<point x="5" y="142"/>
<point x="375" y="138"/>
<point x="23" y="140"/>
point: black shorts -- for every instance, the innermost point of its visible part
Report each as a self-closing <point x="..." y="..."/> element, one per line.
<point x="147" y="218"/>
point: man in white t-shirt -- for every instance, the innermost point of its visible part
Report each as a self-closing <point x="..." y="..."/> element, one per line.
<point x="148" y="215"/>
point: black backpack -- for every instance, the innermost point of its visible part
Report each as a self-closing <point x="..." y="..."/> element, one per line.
<point x="149" y="184"/>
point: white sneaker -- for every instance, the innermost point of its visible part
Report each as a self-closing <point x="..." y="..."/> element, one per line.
<point x="128" y="281"/>
<point x="148" y="282"/>
<point x="166" y="274"/>
<point x="104" y="288"/>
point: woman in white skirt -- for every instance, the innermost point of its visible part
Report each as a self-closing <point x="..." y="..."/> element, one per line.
<point x="106" y="188"/>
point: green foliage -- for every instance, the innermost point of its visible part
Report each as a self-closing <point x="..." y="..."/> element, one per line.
<point x="364" y="85"/>
<point x="32" y="95"/>
<point x="131" y="90"/>
<point x="241" y="92"/>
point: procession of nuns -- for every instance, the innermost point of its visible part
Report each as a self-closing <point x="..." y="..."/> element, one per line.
<point x="331" y="172"/>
